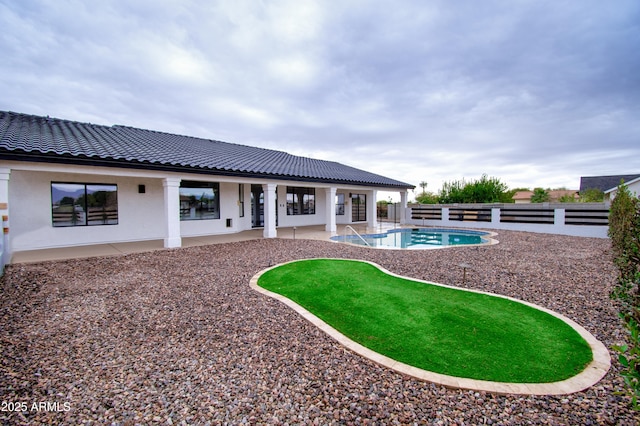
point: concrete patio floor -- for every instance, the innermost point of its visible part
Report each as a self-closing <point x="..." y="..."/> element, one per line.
<point x="301" y="232"/>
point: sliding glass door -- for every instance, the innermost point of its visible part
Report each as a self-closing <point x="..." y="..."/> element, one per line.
<point x="358" y="207"/>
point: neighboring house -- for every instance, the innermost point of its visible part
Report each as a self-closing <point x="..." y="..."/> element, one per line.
<point x="633" y="185"/>
<point x="522" y="197"/>
<point x="604" y="183"/>
<point x="555" y="195"/>
<point x="65" y="183"/>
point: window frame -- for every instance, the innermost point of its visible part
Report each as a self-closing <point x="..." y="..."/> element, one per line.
<point x="358" y="207"/>
<point x="189" y="212"/>
<point x="83" y="217"/>
<point x="301" y="200"/>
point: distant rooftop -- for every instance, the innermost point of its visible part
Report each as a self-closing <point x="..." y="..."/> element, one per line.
<point x="36" y="138"/>
<point x="604" y="183"/>
<point x="554" y="195"/>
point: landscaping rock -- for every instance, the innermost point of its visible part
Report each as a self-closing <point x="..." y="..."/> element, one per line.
<point x="177" y="337"/>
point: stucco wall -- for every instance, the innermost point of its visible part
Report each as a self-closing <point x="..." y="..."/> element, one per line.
<point x="228" y="210"/>
<point x="140" y="216"/>
<point x="285" y="220"/>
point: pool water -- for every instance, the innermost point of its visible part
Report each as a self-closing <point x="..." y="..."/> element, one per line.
<point x="417" y="238"/>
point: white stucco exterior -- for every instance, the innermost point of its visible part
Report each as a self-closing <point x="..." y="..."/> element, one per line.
<point x="154" y="213"/>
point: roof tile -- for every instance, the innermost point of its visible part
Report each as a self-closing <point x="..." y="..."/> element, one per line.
<point x="29" y="135"/>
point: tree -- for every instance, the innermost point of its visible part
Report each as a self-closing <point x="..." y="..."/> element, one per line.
<point x="540" y="195"/>
<point x="592" y="195"/>
<point x="427" y="198"/>
<point x="484" y="190"/>
<point x="567" y="199"/>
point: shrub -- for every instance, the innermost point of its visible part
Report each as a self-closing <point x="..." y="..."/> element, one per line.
<point x="427" y="198"/>
<point x="540" y="196"/>
<point x="484" y="190"/>
<point x="567" y="199"/>
<point x="592" y="195"/>
<point x="624" y="231"/>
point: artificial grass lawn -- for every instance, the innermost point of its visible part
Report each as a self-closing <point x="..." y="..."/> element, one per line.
<point x="439" y="329"/>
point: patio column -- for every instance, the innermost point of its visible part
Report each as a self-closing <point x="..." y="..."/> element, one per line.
<point x="330" y="210"/>
<point x="403" y="207"/>
<point x="372" y="211"/>
<point x="172" y="212"/>
<point x="270" y="210"/>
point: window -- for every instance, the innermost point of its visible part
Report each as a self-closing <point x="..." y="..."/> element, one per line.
<point x="199" y="200"/>
<point x="241" y="199"/>
<point x="83" y="204"/>
<point x="301" y="200"/>
<point x="340" y="204"/>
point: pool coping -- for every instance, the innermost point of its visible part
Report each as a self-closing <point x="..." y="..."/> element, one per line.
<point x="591" y="375"/>
<point x="488" y="234"/>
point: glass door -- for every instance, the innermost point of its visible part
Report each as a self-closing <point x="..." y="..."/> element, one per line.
<point x="358" y="207"/>
<point x="257" y="206"/>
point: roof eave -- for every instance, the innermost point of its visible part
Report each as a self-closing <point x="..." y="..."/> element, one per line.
<point x="139" y="165"/>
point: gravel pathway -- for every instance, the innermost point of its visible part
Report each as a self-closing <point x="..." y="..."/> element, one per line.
<point x="178" y="337"/>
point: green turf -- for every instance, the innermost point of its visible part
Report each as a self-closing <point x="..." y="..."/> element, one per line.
<point x="439" y="329"/>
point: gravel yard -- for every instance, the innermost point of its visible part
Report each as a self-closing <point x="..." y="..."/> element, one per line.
<point x="178" y="337"/>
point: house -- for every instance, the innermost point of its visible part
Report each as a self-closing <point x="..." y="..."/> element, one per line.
<point x="609" y="184"/>
<point x="604" y="183"/>
<point x="65" y="183"/>
<point x="555" y="195"/>
<point x="633" y="185"/>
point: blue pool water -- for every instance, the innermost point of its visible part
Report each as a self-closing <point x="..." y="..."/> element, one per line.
<point x="417" y="238"/>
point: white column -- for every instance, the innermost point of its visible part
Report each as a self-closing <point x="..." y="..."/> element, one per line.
<point x="5" y="249"/>
<point x="403" y="207"/>
<point x="172" y="212"/>
<point x="270" y="210"/>
<point x="371" y="209"/>
<point x="330" y="210"/>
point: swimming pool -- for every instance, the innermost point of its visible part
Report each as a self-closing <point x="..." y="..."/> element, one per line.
<point x="417" y="238"/>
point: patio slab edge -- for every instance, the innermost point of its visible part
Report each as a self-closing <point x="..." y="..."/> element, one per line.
<point x="591" y="375"/>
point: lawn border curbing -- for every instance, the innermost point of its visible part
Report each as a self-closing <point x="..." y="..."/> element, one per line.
<point x="591" y="375"/>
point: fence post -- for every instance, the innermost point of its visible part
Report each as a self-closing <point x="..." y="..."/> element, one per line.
<point x="445" y="216"/>
<point x="495" y="217"/>
<point x="558" y="217"/>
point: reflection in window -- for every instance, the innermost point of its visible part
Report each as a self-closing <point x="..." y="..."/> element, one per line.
<point x="339" y="204"/>
<point x="301" y="200"/>
<point x="79" y="204"/>
<point x="199" y="200"/>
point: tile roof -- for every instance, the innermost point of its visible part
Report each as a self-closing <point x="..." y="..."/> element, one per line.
<point x="604" y="183"/>
<point x="554" y="194"/>
<point x="32" y="137"/>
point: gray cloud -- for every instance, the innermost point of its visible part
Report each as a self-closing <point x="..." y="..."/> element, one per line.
<point x="536" y="93"/>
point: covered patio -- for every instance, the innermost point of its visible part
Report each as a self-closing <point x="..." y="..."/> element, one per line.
<point x="314" y="232"/>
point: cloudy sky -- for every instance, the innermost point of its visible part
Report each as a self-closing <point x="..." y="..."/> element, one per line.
<point x="536" y="93"/>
